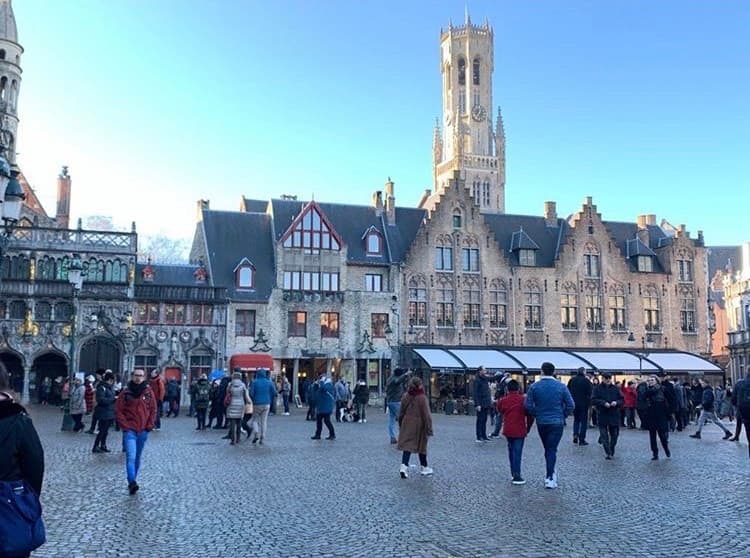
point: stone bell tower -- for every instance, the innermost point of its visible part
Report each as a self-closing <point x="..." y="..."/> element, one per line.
<point x="10" y="79"/>
<point x="467" y="142"/>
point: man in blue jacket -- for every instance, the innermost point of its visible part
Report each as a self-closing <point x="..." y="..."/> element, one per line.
<point x="262" y="392"/>
<point x="549" y="402"/>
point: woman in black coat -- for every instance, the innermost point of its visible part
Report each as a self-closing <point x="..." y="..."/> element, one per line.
<point x="104" y="412"/>
<point x="657" y="413"/>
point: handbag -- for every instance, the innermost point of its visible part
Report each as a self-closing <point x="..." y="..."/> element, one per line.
<point x="248" y="404"/>
<point x="21" y="526"/>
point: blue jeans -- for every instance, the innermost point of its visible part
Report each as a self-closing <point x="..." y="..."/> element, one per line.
<point x="515" y="450"/>
<point x="580" y="422"/>
<point x="551" y="434"/>
<point x="498" y="424"/>
<point x="285" y="397"/>
<point x="134" y="442"/>
<point x="394" y="408"/>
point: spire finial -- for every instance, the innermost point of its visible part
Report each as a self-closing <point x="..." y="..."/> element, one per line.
<point x="466" y="14"/>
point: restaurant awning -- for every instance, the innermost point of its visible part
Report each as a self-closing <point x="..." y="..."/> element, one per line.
<point x="468" y="359"/>
<point x="251" y="361"/>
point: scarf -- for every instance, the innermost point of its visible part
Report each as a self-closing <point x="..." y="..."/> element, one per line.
<point x="414" y="391"/>
<point x="137" y="389"/>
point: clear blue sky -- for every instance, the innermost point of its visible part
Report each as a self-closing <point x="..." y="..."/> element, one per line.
<point x="157" y="103"/>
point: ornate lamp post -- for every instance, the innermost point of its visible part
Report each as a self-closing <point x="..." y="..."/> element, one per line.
<point x="75" y="278"/>
<point x="11" y="196"/>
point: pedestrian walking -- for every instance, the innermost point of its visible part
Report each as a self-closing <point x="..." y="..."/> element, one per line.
<point x="172" y="397"/>
<point x="629" y="399"/>
<point x="78" y="402"/>
<point x="201" y="398"/>
<point x="342" y="398"/>
<point x="361" y="400"/>
<point x="310" y="395"/>
<point x="237" y="397"/>
<point x="394" y="390"/>
<point x="501" y="390"/>
<point x="89" y="393"/>
<point x="708" y="412"/>
<point x="608" y="400"/>
<point x="549" y="402"/>
<point x="741" y="400"/>
<point x="324" y="394"/>
<point x="581" y="388"/>
<point x="262" y="392"/>
<point x="415" y="427"/>
<point x="21" y="474"/>
<point x="482" y="403"/>
<point x="515" y="426"/>
<point x="135" y="409"/>
<point x="286" y="393"/>
<point x="104" y="412"/>
<point x="158" y="388"/>
<point x="656" y="416"/>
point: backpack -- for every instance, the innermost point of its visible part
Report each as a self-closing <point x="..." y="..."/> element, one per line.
<point x="172" y="389"/>
<point x="201" y="393"/>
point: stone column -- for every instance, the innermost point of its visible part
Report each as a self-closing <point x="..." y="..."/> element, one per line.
<point x="25" y="399"/>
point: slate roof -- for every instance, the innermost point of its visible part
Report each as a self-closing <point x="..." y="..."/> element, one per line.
<point x="624" y="235"/>
<point x="169" y="275"/>
<point x="719" y="257"/>
<point x="231" y="236"/>
<point x="254" y="206"/>
<point x="545" y="240"/>
<point x="350" y="222"/>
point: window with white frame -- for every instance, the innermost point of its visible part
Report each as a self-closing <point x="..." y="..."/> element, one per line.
<point x="569" y="307"/>
<point x="444" y="304"/>
<point x="593" y="307"/>
<point x="444" y="258"/>
<point x="374" y="244"/>
<point x="527" y="257"/>
<point x="532" y="306"/>
<point x="470" y="260"/>
<point x="373" y="282"/>
<point x="311" y="233"/>
<point x="498" y="304"/>
<point x="645" y="264"/>
<point x="651" y="309"/>
<point x="687" y="314"/>
<point x="417" y="302"/>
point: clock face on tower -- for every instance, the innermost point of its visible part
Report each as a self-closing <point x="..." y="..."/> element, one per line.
<point x="478" y="113"/>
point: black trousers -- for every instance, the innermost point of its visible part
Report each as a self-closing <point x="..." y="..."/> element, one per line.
<point x="200" y="415"/>
<point x="608" y="434"/>
<point x="663" y="434"/>
<point x="247" y="417"/>
<point x="319" y="420"/>
<point x="101" y="437"/>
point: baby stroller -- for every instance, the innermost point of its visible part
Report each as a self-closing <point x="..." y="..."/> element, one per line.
<point x="348" y="414"/>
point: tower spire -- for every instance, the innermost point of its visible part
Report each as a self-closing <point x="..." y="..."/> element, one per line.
<point x="467" y="17"/>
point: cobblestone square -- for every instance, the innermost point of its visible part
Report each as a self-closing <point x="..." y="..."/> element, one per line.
<point x="297" y="497"/>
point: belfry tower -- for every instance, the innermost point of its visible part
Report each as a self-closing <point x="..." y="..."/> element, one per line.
<point x="10" y="79"/>
<point x="467" y="142"/>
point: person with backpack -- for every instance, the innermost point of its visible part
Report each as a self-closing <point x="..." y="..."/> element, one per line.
<point x="741" y="401"/>
<point x="362" y="399"/>
<point x="172" y="397"/>
<point x="201" y="395"/>
<point x="708" y="403"/>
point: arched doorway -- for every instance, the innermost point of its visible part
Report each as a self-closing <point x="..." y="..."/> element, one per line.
<point x="100" y="353"/>
<point x="14" y="366"/>
<point x="55" y="367"/>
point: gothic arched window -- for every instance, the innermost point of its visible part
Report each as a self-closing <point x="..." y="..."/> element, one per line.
<point x="475" y="72"/>
<point x="461" y="71"/>
<point x="569" y="306"/>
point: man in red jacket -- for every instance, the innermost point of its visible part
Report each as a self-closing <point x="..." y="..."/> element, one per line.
<point x="136" y="412"/>
<point x="516" y="424"/>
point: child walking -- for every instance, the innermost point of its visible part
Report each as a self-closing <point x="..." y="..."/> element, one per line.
<point x="516" y="425"/>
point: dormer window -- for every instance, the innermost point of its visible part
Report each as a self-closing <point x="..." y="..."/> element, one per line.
<point x="527" y="257"/>
<point x="373" y="242"/>
<point x="244" y="275"/>
<point x="645" y="263"/>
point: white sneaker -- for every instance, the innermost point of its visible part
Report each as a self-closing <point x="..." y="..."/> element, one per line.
<point x="360" y="421"/>
<point x="286" y="414"/>
<point x="425" y="471"/>
<point x="404" y="471"/>
<point x="364" y="420"/>
<point x="550" y="483"/>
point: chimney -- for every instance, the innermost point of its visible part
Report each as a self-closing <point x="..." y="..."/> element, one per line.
<point x="63" y="199"/>
<point x="642" y="221"/>
<point x="589" y="200"/>
<point x="377" y="202"/>
<point x="201" y="206"/>
<point x="550" y="213"/>
<point x="651" y="219"/>
<point x="390" y="203"/>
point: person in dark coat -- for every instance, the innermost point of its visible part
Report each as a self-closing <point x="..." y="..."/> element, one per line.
<point x="361" y="399"/>
<point x="656" y="415"/>
<point x="482" y="402"/>
<point x="21" y="452"/>
<point x="104" y="412"/>
<point x="325" y="402"/>
<point x="608" y="400"/>
<point x="415" y="427"/>
<point x="581" y="388"/>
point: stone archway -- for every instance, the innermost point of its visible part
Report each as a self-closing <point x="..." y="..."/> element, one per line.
<point x="51" y="367"/>
<point x="100" y="353"/>
<point x="14" y="365"/>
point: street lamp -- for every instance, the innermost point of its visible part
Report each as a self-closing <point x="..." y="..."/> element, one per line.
<point x="75" y="278"/>
<point x="10" y="205"/>
<point x="646" y="342"/>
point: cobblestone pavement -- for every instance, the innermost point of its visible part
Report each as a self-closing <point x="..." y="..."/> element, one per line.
<point x="297" y="497"/>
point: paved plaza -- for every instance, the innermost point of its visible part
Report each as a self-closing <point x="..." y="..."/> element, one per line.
<point x="297" y="497"/>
